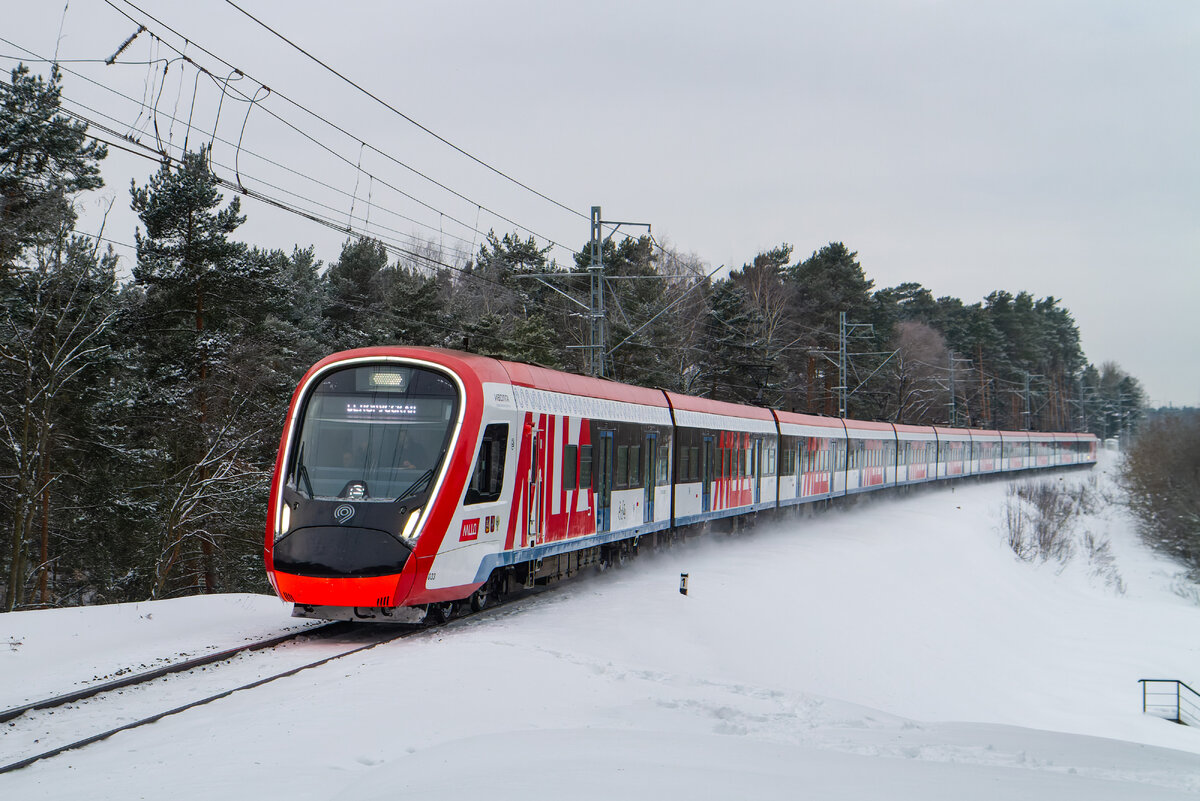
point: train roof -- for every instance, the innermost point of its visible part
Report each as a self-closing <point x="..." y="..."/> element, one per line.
<point x="534" y="377"/>
<point x="800" y="419"/>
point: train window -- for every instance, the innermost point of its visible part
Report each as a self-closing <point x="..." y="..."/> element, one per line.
<point x="694" y="467"/>
<point x="570" y="466"/>
<point x="487" y="479"/>
<point x="585" y="466"/>
<point x="621" y="477"/>
<point x="771" y="460"/>
<point x="635" y="463"/>
<point x="379" y="429"/>
<point x="664" y="463"/>
<point x="685" y="463"/>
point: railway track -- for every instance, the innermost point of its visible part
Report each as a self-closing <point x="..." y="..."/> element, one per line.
<point x="39" y="730"/>
<point x="131" y="679"/>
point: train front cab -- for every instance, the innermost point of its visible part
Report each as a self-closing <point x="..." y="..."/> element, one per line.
<point x="375" y="454"/>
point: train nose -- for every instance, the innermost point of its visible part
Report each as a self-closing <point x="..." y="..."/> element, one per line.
<point x="340" y="552"/>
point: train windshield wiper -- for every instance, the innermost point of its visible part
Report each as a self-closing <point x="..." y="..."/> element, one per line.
<point x="417" y="485"/>
<point x="302" y="473"/>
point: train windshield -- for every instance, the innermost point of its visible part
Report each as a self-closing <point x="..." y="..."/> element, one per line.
<point x="378" y="432"/>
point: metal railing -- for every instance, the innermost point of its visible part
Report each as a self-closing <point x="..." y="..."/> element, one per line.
<point x="1171" y="699"/>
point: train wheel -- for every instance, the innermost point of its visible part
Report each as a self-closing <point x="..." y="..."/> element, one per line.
<point x="438" y="613"/>
<point x="481" y="598"/>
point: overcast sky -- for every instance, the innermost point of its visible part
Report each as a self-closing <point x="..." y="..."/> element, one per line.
<point x="1045" y="146"/>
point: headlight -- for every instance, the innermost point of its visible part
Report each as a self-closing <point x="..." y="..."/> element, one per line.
<point x="410" y="526"/>
<point x="285" y="522"/>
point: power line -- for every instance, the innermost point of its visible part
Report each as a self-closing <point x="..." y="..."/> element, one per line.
<point x="159" y="157"/>
<point x="201" y="70"/>
<point x="338" y="128"/>
<point x="401" y="114"/>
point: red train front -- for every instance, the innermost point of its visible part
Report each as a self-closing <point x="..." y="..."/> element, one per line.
<point x="376" y="451"/>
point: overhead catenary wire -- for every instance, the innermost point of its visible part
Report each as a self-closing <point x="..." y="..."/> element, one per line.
<point x="414" y="122"/>
<point x="475" y="230"/>
<point x="149" y="154"/>
<point x="225" y="86"/>
<point x="404" y="116"/>
<point x="331" y="124"/>
<point x="390" y="247"/>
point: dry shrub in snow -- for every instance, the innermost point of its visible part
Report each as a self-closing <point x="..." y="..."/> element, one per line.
<point x="1162" y="475"/>
<point x="1042" y="521"/>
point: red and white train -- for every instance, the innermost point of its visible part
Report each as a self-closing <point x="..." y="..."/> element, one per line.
<point x="409" y="479"/>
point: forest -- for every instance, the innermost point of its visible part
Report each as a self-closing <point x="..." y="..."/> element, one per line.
<point x="141" y="405"/>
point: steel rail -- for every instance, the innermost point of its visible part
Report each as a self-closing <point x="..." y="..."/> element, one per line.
<point x="150" y="675"/>
<point x="258" y="683"/>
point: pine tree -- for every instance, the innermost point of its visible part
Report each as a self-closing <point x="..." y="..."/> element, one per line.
<point x="45" y="159"/>
<point x="829" y="282"/>
<point x="729" y="367"/>
<point x="205" y="298"/>
<point x="355" y="305"/>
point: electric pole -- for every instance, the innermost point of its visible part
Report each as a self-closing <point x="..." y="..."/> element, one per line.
<point x="598" y="342"/>
<point x="1028" y="407"/>
<point x="953" y="390"/>
<point x="845" y="331"/>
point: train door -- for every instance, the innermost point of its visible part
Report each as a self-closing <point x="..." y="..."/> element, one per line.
<point x="533" y="496"/>
<point x="756" y="468"/>
<point x="604" y="474"/>
<point x="648" y="473"/>
<point x="706" y="468"/>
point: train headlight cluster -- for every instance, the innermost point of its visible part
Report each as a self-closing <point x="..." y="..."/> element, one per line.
<point x="410" y="526"/>
<point x="285" y="521"/>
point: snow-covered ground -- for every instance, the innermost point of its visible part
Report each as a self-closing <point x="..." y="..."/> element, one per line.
<point x="896" y="650"/>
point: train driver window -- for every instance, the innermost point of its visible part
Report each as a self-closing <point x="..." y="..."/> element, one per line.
<point x="487" y="479"/>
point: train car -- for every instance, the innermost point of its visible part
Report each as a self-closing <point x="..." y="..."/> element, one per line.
<point x="916" y="454"/>
<point x="1042" y="451"/>
<point x="725" y="459"/>
<point x="871" y="455"/>
<point x="411" y="479"/>
<point x="985" y="451"/>
<point x="809" y="445"/>
<point x="1014" y="450"/>
<point x="954" y="452"/>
